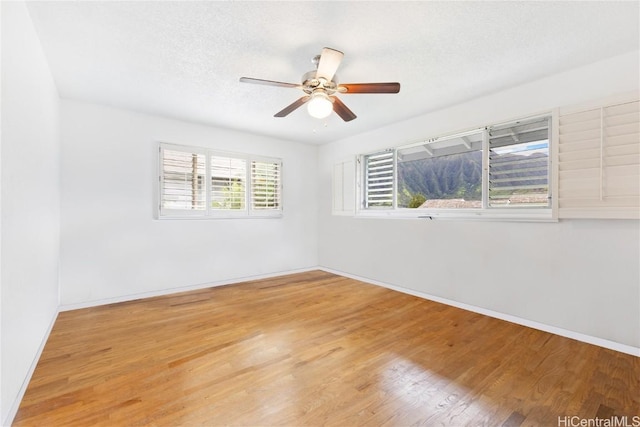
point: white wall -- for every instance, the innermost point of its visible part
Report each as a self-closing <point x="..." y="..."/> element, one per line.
<point x="578" y="275"/>
<point x="111" y="245"/>
<point x="29" y="183"/>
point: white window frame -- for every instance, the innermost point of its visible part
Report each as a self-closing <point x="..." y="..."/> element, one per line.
<point x="209" y="212"/>
<point x="540" y="214"/>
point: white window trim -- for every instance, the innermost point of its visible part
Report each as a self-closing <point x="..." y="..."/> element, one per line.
<point x="208" y="213"/>
<point x="517" y="214"/>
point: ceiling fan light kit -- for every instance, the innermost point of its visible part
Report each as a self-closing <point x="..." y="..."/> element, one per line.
<point x="320" y="105"/>
<point x="321" y="86"/>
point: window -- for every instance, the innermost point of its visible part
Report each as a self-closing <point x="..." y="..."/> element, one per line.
<point x="497" y="170"/>
<point x="228" y="179"/>
<point x="379" y="178"/>
<point x="519" y="164"/>
<point x="443" y="173"/>
<point x="183" y="178"/>
<point x="265" y="185"/>
<point x="204" y="183"/>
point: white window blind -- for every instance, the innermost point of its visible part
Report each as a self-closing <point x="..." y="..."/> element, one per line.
<point x="519" y="164"/>
<point x="199" y="182"/>
<point x="228" y="177"/>
<point x="599" y="162"/>
<point x="379" y="179"/>
<point x="183" y="181"/>
<point x="265" y="185"/>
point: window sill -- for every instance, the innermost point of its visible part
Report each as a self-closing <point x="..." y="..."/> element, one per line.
<point x="222" y="216"/>
<point x="519" y="215"/>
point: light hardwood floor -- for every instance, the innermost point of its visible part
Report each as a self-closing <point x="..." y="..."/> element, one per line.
<point x="316" y="349"/>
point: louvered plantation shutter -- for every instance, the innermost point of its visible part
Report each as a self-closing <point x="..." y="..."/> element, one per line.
<point x="519" y="164"/>
<point x="182" y="182"/>
<point x="344" y="188"/>
<point x="599" y="162"/>
<point x="228" y="183"/>
<point x="266" y="186"/>
<point x="195" y="181"/>
<point x="379" y="171"/>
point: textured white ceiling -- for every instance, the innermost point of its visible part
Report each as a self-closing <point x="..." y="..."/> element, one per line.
<point x="184" y="59"/>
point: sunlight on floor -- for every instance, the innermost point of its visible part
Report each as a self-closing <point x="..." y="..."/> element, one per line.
<point x="412" y="384"/>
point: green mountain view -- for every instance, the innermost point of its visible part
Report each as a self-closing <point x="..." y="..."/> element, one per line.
<point x="459" y="176"/>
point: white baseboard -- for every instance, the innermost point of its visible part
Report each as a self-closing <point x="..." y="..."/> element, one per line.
<point x="16" y="402"/>
<point x="169" y="291"/>
<point x="601" y="342"/>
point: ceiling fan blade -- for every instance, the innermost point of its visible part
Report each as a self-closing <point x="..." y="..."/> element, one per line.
<point x="290" y="108"/>
<point x="342" y="110"/>
<point x="391" y="87"/>
<point x="266" y="82"/>
<point x="329" y="62"/>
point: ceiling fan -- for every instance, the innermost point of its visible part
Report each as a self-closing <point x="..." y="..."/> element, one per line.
<point x="321" y="86"/>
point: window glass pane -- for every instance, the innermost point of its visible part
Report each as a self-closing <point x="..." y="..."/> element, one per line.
<point x="228" y="176"/>
<point x="445" y="173"/>
<point x="519" y="164"/>
<point x="265" y="185"/>
<point x="183" y="176"/>
<point x="379" y="176"/>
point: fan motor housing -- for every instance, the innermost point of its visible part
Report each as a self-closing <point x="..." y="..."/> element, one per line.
<point x="310" y="83"/>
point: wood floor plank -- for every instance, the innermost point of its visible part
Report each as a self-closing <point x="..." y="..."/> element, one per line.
<point x="315" y="349"/>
